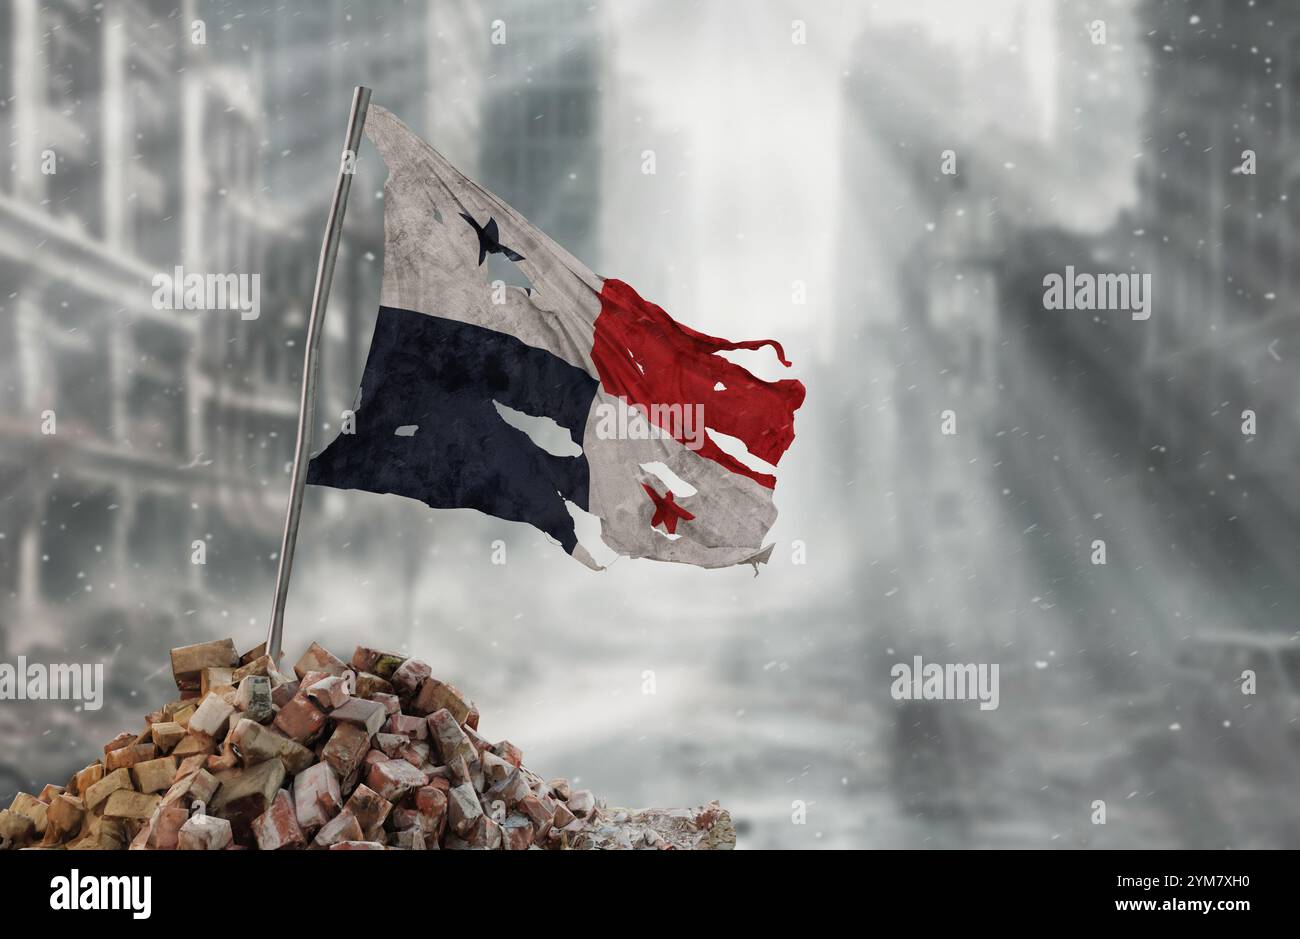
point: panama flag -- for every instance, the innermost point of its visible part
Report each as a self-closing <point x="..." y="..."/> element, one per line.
<point x="573" y="405"/>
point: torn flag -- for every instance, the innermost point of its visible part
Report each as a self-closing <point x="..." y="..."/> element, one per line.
<point x="573" y="405"/>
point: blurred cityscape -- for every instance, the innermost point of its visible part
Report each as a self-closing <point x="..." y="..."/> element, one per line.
<point x="1121" y="681"/>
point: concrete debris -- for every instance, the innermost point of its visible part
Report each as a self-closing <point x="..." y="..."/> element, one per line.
<point x="370" y="754"/>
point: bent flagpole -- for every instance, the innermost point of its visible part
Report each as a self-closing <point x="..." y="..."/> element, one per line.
<point x="307" y="405"/>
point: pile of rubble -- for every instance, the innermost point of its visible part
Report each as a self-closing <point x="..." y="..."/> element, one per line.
<point x="366" y="755"/>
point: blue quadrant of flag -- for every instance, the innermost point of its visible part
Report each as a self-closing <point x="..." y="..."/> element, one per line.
<point x="436" y="379"/>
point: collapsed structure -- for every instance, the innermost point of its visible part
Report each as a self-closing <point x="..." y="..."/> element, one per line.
<point x="366" y="755"/>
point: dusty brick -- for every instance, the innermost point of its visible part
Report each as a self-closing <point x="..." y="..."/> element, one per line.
<point x="391" y="702"/>
<point x="300" y="720"/>
<point x="16" y="830"/>
<point x="247" y="793"/>
<point x="393" y="779"/>
<point x="450" y="740"/>
<point x="165" y="735"/>
<point x="212" y="718"/>
<point x="582" y="803"/>
<point x="357" y="846"/>
<point x="165" y="827"/>
<point x="24" y="803"/>
<point x="125" y="803"/>
<point x="463" y="809"/>
<point x="215" y="680"/>
<point x="517" y="833"/>
<point x="257" y="652"/>
<point x="483" y="835"/>
<point x="562" y="816"/>
<point x="198" y="786"/>
<point x="260" y="667"/>
<point x="408" y="839"/>
<point x="365" y="714"/>
<point x="96" y="794"/>
<point x="128" y="756"/>
<point x="414" y="727"/>
<point x="204" y="833"/>
<point x="63" y="818"/>
<point x="154" y="775"/>
<point x="319" y="659"/>
<point x="194" y="745"/>
<point x="49" y="792"/>
<point x="495" y="769"/>
<point x="278" y="827"/>
<point x="188" y="662"/>
<point x="408" y="676"/>
<point x="369" y="685"/>
<point x="431" y="808"/>
<point x="257" y="744"/>
<point x="316" y="796"/>
<point x="509" y="752"/>
<point x="371" y="811"/>
<point x="381" y="663"/>
<point x="435" y="695"/>
<point x="391" y="744"/>
<point x="330" y="692"/>
<point x="342" y="827"/>
<point x="346" y="749"/>
<point x="86" y="778"/>
<point x="124" y="739"/>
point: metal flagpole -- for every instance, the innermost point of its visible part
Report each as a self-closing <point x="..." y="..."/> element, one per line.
<point x="319" y="299"/>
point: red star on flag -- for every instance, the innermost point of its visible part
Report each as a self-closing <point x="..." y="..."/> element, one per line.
<point x="667" y="511"/>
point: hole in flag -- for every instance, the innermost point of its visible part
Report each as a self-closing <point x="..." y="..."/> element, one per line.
<point x="735" y="447"/>
<point x="678" y="486"/>
<point x="588" y="528"/>
<point x="719" y="387"/>
<point x="406" y="430"/>
<point x="542" y="431"/>
<point x="761" y="363"/>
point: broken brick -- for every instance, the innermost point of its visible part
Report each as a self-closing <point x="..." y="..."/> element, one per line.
<point x="204" y="833"/>
<point x="371" y="811"/>
<point x="393" y="779"/>
<point x="330" y="692"/>
<point x="342" y="827"/>
<point x="463" y="808"/>
<point x="318" y="659"/>
<point x="126" y="803"/>
<point x="128" y="756"/>
<point x="316" y="796"/>
<point x="300" y="720"/>
<point x="165" y="735"/>
<point x="407" y="677"/>
<point x="256" y="744"/>
<point x="368" y="715"/>
<point x="346" y="749"/>
<point x="278" y="827"/>
<point x="188" y="662"/>
<point x="246" y="793"/>
<point x="449" y="738"/>
<point x="155" y="775"/>
<point x="212" y="717"/>
<point x="435" y="695"/>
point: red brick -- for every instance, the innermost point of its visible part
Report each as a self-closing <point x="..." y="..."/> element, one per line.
<point x="278" y="827"/>
<point x="393" y="779"/>
<point x="300" y="720"/>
